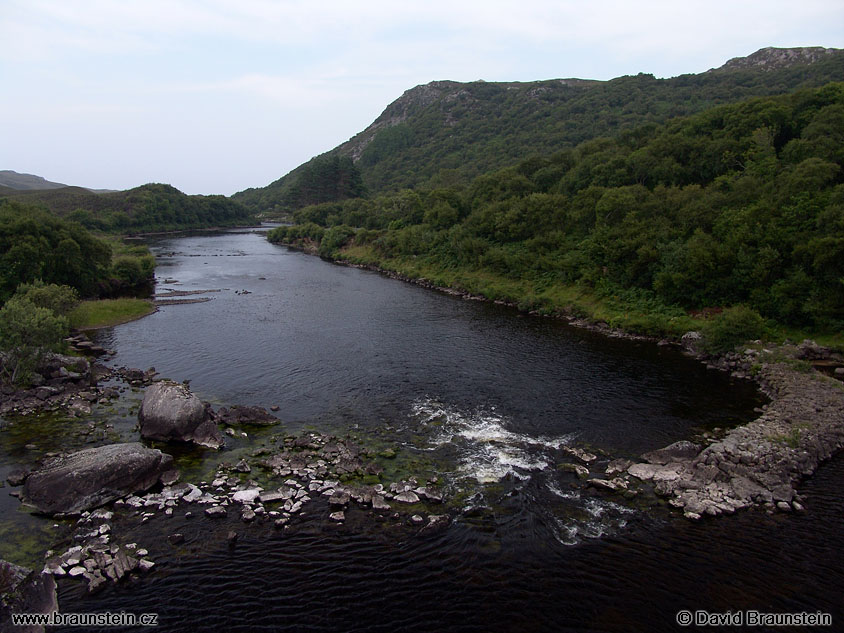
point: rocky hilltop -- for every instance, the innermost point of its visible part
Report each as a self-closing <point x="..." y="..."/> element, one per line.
<point x="772" y="58"/>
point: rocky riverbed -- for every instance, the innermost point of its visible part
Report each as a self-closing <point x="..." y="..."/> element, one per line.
<point x="315" y="476"/>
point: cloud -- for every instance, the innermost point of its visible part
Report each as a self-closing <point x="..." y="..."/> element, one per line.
<point x="273" y="82"/>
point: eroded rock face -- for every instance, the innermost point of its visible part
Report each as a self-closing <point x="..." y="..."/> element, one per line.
<point x="94" y="476"/>
<point x="170" y="412"/>
<point x="24" y="591"/>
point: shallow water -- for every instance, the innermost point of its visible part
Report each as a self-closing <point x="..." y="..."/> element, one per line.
<point x="484" y="399"/>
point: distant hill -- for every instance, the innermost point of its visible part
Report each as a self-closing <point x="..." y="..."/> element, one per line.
<point x="14" y="180"/>
<point x="151" y="207"/>
<point x="445" y="133"/>
<point x="29" y="182"/>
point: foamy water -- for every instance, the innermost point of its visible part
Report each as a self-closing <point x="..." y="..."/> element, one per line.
<point x="489" y="452"/>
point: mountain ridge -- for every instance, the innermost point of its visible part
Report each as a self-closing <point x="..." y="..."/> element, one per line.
<point x="445" y="133"/>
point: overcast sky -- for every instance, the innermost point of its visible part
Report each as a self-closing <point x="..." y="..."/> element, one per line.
<point x="213" y="96"/>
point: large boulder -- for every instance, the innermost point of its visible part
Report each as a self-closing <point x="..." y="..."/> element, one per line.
<point x="94" y="476"/>
<point x="170" y="412"/>
<point x="24" y="591"/>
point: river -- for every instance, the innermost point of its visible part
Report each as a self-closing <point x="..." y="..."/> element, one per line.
<point x="483" y="398"/>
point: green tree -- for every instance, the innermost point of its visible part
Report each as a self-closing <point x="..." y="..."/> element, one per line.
<point x="27" y="332"/>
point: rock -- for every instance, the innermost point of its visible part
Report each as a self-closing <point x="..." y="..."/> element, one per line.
<point x="340" y="498"/>
<point x="169" y="412"/>
<point x="237" y="415"/>
<point x="408" y="496"/>
<point x="246" y="496"/>
<point x="380" y="504"/>
<point x="23" y="590"/>
<point x="678" y="451"/>
<point x="337" y="516"/>
<point x="430" y="494"/>
<point x="417" y="519"/>
<point x="614" y="485"/>
<point x="618" y="466"/>
<point x="95" y="580"/>
<point x="436" y="522"/>
<point x="145" y="565"/>
<point x="170" y="477"/>
<point x="94" y="476"/>
<point x="809" y="350"/>
<point x="231" y="537"/>
<point x="783" y="506"/>
<point x="270" y="497"/>
<point x="783" y="493"/>
<point x="177" y="538"/>
<point x="655" y="472"/>
<point x="746" y="490"/>
<point x="247" y="515"/>
<point x="691" y="341"/>
<point x="581" y="471"/>
<point x="17" y="476"/>
<point x="216" y="512"/>
<point x="193" y="494"/>
<point x="242" y="467"/>
<point x="581" y="454"/>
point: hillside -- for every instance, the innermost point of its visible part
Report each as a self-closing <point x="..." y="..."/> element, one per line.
<point x="151" y="207"/>
<point x="445" y="133"/>
<point x="14" y="180"/>
<point x="742" y="204"/>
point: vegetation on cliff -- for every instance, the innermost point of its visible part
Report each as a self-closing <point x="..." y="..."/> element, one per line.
<point x="740" y="204"/>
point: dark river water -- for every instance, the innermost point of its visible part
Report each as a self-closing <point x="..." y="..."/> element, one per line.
<point x="485" y="399"/>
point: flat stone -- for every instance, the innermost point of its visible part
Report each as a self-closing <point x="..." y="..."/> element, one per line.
<point x="216" y="512"/>
<point x="246" y="496"/>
